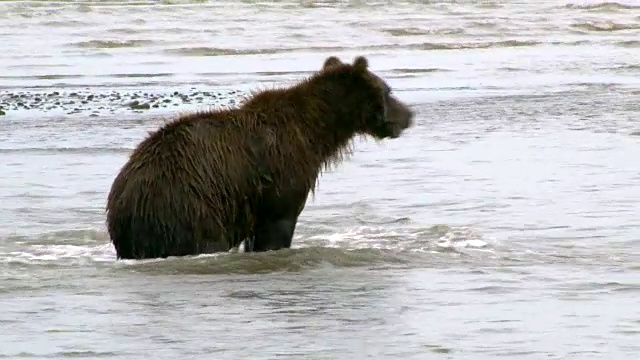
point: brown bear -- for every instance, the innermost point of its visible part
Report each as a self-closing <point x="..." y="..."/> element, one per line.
<point x="206" y="181"/>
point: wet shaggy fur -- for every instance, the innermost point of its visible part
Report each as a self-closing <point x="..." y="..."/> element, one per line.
<point x="207" y="181"/>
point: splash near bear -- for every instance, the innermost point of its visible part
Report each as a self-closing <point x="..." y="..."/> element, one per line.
<point x="206" y="181"/>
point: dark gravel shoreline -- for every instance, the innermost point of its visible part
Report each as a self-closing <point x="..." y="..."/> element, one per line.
<point x="94" y="103"/>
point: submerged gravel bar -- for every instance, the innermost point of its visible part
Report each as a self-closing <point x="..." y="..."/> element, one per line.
<point x="95" y="103"/>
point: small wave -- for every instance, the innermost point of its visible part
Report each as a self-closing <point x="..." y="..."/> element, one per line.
<point x="64" y="237"/>
<point x="484" y="24"/>
<point x="212" y="51"/>
<point x="62" y="354"/>
<point x="66" y="23"/>
<point x="138" y="75"/>
<point x="438" y="238"/>
<point x="388" y="244"/>
<point x="629" y="43"/>
<point x="289" y="260"/>
<point x="489" y="5"/>
<point x="67" y="150"/>
<point x="605" y="6"/>
<point x="59" y="255"/>
<point x="601" y="26"/>
<point x="477" y="45"/>
<point x="41" y="77"/>
<point x="111" y="44"/>
<point x="512" y="69"/>
<point x="606" y="286"/>
<point x="412" y="31"/>
<point x="419" y="71"/>
<point x="37" y="66"/>
<point x="127" y="31"/>
<point x="630" y="68"/>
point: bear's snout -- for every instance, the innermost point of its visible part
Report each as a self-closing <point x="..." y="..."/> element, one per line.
<point x="400" y="116"/>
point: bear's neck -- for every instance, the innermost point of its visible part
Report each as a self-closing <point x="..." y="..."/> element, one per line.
<point x="322" y="122"/>
<point x="310" y="118"/>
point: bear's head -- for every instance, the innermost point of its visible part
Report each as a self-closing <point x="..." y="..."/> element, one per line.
<point x="369" y="99"/>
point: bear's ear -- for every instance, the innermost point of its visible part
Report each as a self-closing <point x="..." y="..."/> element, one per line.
<point x="361" y="63"/>
<point x="331" y="61"/>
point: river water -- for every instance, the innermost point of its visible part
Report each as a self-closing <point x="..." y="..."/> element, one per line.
<point x="506" y="223"/>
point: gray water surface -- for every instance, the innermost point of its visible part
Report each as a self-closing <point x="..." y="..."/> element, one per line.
<point x="504" y="224"/>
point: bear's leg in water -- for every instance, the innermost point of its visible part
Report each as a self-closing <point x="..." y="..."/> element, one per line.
<point x="277" y="216"/>
<point x="273" y="230"/>
<point x="274" y="234"/>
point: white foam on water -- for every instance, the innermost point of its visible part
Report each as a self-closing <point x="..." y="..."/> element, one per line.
<point x="60" y="253"/>
<point x="461" y="238"/>
<point x="379" y="237"/>
<point x="355" y="238"/>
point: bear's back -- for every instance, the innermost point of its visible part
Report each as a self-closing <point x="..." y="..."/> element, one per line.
<point x="201" y="154"/>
